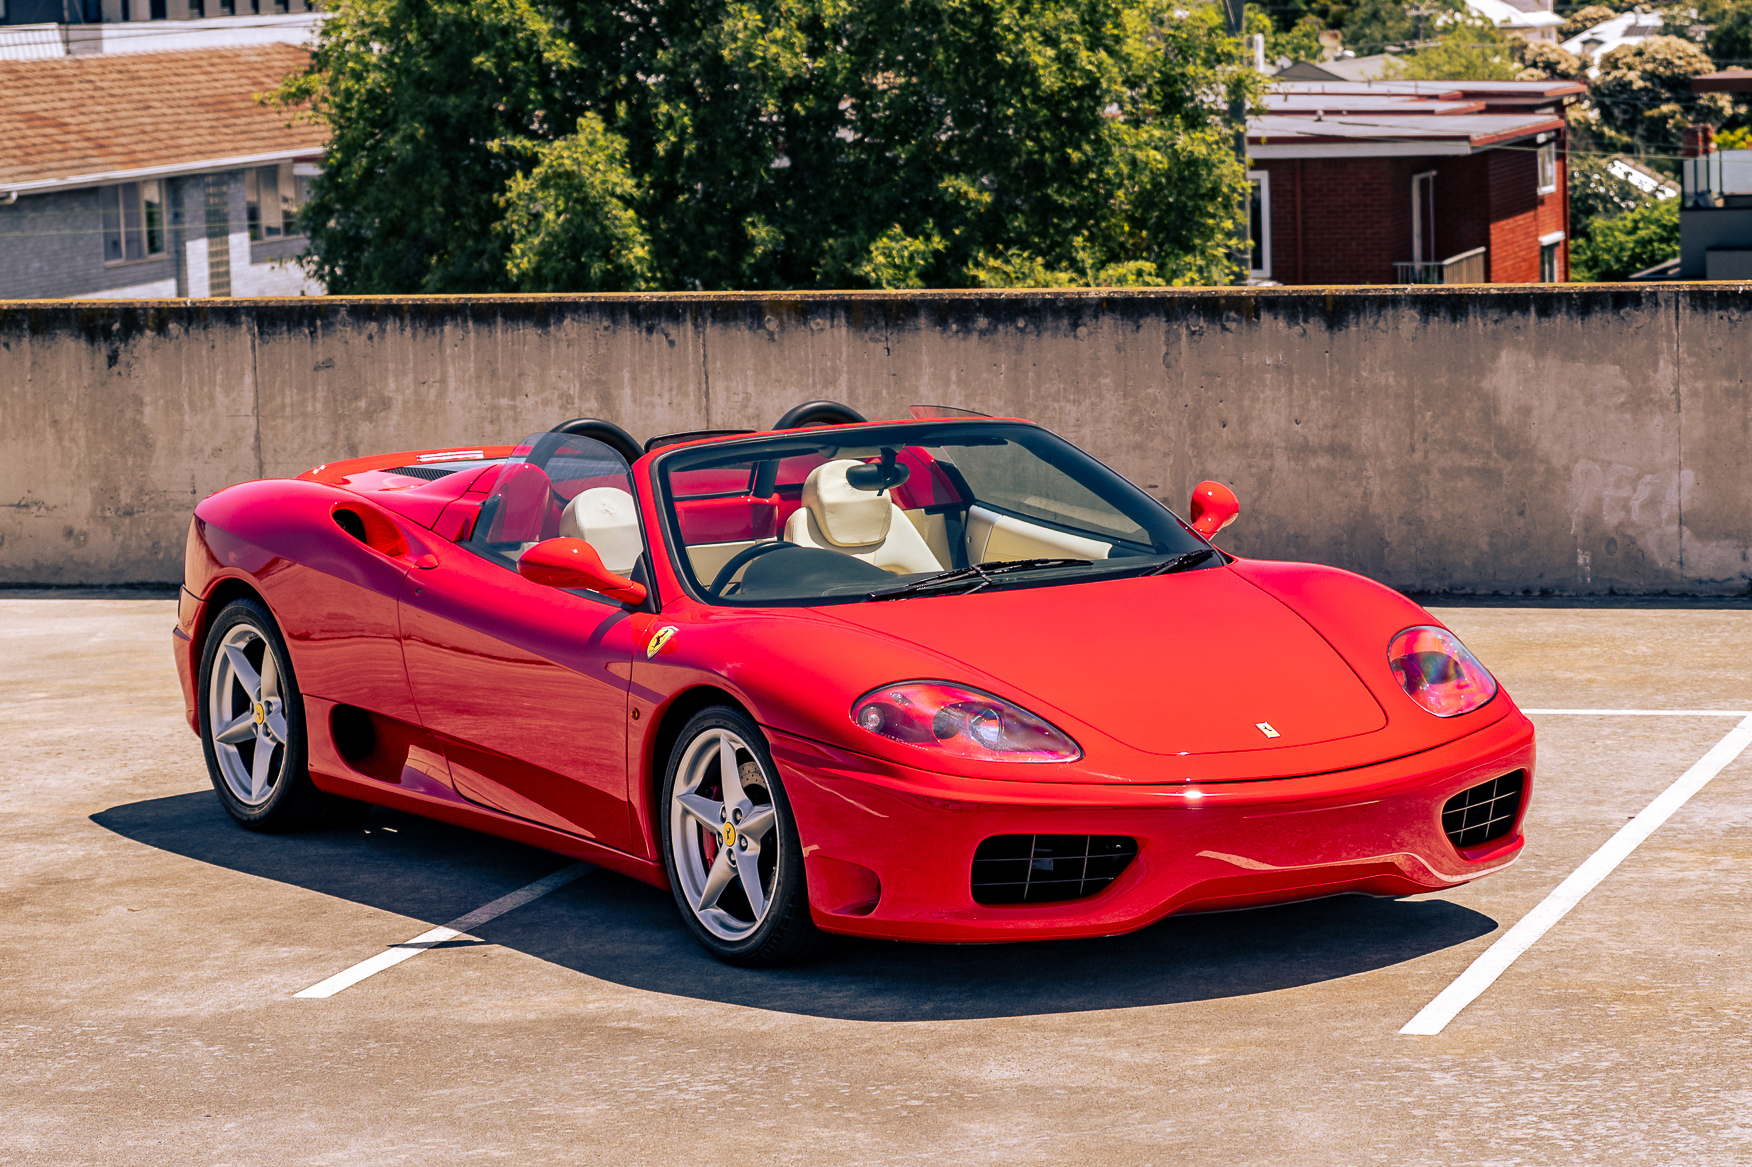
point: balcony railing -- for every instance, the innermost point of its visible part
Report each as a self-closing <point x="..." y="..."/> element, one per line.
<point x="1465" y="268"/>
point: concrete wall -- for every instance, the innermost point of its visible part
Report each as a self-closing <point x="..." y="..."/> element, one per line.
<point x="1551" y="440"/>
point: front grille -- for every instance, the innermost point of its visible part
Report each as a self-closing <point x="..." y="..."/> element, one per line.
<point x="1037" y="869"/>
<point x="429" y="473"/>
<point x="1484" y="812"/>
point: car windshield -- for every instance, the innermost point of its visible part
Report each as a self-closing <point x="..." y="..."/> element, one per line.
<point x="930" y="508"/>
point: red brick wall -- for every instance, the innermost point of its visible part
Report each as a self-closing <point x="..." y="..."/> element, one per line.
<point x="1355" y="220"/>
<point x="1520" y="215"/>
<point x="1355" y="214"/>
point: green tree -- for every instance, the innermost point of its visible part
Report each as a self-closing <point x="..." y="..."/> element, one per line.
<point x="1541" y="61"/>
<point x="570" y="220"/>
<point x="1468" y="50"/>
<point x="1730" y="35"/>
<point x="1297" y="41"/>
<point x="772" y="144"/>
<point x="1584" y="18"/>
<point x="1627" y="243"/>
<point x="1643" y="95"/>
<point x="413" y="93"/>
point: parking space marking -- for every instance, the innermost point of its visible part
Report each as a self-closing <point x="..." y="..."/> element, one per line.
<point x="1644" y="712"/>
<point x="412" y="948"/>
<point x="1496" y="959"/>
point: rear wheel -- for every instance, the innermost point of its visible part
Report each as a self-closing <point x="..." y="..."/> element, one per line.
<point x="252" y="726"/>
<point x="731" y="847"/>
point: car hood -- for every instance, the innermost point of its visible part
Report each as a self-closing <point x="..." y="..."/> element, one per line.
<point x="1201" y="662"/>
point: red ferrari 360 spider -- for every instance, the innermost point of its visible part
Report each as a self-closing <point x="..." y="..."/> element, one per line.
<point x="942" y="679"/>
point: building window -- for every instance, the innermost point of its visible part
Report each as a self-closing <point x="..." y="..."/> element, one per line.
<point x="227" y="7"/>
<point x="197" y="9"/>
<point x="273" y="197"/>
<point x="1548" y="168"/>
<point x="1551" y="258"/>
<point x="158" y="10"/>
<point x="133" y="221"/>
<point x="1259" y="225"/>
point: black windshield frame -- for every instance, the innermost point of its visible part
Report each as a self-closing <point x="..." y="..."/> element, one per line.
<point x="1169" y="535"/>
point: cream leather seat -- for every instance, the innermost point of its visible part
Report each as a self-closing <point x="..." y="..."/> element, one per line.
<point x="837" y="516"/>
<point x="605" y="518"/>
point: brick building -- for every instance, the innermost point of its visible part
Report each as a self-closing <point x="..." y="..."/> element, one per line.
<point x="146" y="174"/>
<point x="1411" y="182"/>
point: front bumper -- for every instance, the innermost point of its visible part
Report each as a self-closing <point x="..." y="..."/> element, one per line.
<point x="888" y="850"/>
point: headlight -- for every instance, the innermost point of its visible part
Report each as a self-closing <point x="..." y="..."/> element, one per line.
<point x="1435" y="669"/>
<point x="961" y="722"/>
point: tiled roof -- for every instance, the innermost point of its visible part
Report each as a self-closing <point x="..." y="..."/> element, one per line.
<point x="70" y="117"/>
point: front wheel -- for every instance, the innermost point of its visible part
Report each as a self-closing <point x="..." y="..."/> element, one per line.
<point x="731" y="847"/>
<point x="252" y="726"/>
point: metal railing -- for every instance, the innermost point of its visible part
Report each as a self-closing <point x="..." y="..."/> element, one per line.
<point x="1465" y="268"/>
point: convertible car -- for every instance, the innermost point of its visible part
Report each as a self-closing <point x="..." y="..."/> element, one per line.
<point x="945" y="678"/>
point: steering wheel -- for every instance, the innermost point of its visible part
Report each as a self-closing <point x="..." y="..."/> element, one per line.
<point x="746" y="555"/>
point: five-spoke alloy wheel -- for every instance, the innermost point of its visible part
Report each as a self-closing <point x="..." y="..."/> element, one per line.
<point x="252" y="725"/>
<point x="731" y="845"/>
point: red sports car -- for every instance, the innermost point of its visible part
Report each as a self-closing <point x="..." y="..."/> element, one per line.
<point x="941" y="679"/>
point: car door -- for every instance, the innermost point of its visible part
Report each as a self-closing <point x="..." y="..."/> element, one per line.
<point x="526" y="685"/>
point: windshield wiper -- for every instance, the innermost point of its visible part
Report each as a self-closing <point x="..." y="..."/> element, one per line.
<point x="983" y="573"/>
<point x="1179" y="562"/>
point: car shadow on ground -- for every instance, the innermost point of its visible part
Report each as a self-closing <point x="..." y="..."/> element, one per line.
<point x="618" y="930"/>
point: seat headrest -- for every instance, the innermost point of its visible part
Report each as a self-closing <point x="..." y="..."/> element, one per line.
<point x="847" y="516"/>
<point x="605" y="518"/>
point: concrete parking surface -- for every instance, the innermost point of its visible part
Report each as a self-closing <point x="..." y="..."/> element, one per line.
<point x="151" y="951"/>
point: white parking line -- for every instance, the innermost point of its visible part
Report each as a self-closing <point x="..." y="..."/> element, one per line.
<point x="1499" y="956"/>
<point x="400" y="952"/>
<point x="1645" y="712"/>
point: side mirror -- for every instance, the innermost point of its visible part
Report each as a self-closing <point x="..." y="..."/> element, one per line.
<point x="1214" y="506"/>
<point x="573" y="563"/>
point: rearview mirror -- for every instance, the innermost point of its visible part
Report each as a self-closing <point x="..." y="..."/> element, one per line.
<point x="1214" y="506"/>
<point x="573" y="563"/>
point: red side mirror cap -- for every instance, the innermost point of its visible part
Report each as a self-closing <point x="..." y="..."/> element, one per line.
<point x="573" y="563"/>
<point x="1214" y="506"/>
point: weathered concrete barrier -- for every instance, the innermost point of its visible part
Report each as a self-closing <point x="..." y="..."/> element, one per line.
<point x="1567" y="440"/>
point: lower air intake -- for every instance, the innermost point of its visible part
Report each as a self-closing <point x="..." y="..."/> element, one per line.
<point x="1484" y="812"/>
<point x="1038" y="869"/>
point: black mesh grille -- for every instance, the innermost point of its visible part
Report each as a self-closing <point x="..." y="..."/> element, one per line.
<point x="1036" y="869"/>
<point x="1484" y="812"/>
<point x="429" y="473"/>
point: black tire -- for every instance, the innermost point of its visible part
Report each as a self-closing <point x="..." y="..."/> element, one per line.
<point x="283" y="798"/>
<point x="730" y="928"/>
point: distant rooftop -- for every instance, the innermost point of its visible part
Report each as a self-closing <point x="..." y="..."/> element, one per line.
<point x="88" y="120"/>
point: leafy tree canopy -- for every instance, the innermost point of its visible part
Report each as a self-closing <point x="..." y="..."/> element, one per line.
<point x="1643" y="98"/>
<point x="1467" y="50"/>
<point x="1625" y="244"/>
<point x="1541" y="61"/>
<point x="482" y="145"/>
<point x="1584" y="18"/>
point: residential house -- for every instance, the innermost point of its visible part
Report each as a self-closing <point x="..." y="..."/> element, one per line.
<point x="1410" y="182"/>
<point x="1627" y="28"/>
<point x="143" y="174"/>
<point x="1715" y="216"/>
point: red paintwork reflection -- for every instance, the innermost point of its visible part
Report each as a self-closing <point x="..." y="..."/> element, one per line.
<point x="529" y="683"/>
